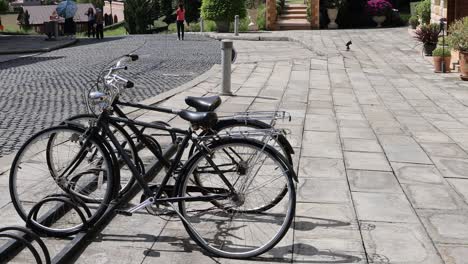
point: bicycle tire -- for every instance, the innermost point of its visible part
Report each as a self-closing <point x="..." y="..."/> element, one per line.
<point x="198" y="224"/>
<point x="283" y="146"/>
<point x="30" y="173"/>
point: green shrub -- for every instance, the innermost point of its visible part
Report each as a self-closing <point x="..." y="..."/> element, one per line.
<point x="138" y="16"/>
<point x="413" y="21"/>
<point x="244" y="24"/>
<point x="261" y="18"/>
<point x="442" y="52"/>
<point x="423" y="11"/>
<point x="223" y="10"/>
<point x="458" y="35"/>
<point x="167" y="10"/>
<point x="4" y="6"/>
<point x="192" y="10"/>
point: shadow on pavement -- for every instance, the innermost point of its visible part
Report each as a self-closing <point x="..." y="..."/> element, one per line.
<point x="26" y="61"/>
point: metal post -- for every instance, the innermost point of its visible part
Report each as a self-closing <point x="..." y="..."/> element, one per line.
<point x="236" y="25"/>
<point x="201" y="24"/>
<point x="226" y="60"/>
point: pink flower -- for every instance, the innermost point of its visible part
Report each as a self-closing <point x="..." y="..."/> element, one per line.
<point x="378" y="7"/>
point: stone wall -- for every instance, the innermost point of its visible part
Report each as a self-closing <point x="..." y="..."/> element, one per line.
<point x="438" y="10"/>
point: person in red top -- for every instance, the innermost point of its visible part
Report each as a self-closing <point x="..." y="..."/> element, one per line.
<point x="180" y="20"/>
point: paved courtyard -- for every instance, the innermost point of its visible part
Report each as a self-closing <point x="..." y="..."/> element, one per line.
<point x="42" y="90"/>
<point x="381" y="152"/>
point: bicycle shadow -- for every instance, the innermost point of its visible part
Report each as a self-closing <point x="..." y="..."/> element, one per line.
<point x="301" y="252"/>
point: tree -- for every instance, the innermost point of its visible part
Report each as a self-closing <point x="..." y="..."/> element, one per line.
<point x="192" y="10"/>
<point x="223" y="10"/>
<point x="138" y="15"/>
<point x="4" y="6"/>
<point x="167" y="10"/>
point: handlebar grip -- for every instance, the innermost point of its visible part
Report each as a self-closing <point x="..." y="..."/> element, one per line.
<point x="129" y="84"/>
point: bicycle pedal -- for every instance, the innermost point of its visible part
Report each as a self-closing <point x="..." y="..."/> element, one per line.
<point x="123" y="212"/>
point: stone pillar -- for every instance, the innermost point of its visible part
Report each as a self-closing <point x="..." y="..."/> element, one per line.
<point x="271" y="14"/>
<point x="314" y="13"/>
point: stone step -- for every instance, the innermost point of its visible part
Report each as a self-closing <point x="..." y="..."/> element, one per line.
<point x="293" y="11"/>
<point x="293" y="24"/>
<point x="293" y="16"/>
<point x="295" y="6"/>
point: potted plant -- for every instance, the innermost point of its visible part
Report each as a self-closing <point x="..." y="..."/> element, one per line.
<point x="458" y="40"/>
<point x="222" y="12"/>
<point x="414" y="22"/>
<point x="252" y="11"/>
<point x="442" y="54"/>
<point x="378" y="9"/>
<point x="428" y="35"/>
<point x="333" y="7"/>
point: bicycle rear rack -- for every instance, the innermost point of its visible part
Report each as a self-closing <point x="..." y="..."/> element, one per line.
<point x="271" y="116"/>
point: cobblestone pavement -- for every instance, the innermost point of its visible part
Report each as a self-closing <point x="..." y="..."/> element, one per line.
<point x="39" y="91"/>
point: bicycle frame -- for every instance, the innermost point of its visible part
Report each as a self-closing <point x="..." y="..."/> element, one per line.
<point x="103" y="123"/>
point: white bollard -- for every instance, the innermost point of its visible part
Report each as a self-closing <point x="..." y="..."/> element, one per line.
<point x="236" y="25"/>
<point x="226" y="60"/>
<point x="201" y="24"/>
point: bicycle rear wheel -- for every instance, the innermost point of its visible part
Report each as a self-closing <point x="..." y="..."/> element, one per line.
<point x="51" y="201"/>
<point x="238" y="225"/>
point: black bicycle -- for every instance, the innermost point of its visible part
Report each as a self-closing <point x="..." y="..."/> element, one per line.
<point x="226" y="193"/>
<point x="241" y="121"/>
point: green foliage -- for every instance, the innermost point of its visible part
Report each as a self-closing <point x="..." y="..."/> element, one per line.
<point x="334" y="3"/>
<point x="167" y="10"/>
<point x="244" y="24"/>
<point x="138" y="15"/>
<point x="223" y="10"/>
<point x="192" y="10"/>
<point x="442" y="52"/>
<point x="414" y="21"/>
<point x="253" y="4"/>
<point x="4" y="7"/>
<point x="423" y="11"/>
<point x="261" y="18"/>
<point x="458" y="35"/>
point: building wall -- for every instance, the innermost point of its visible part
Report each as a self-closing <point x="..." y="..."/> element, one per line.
<point x="438" y="10"/>
<point x="450" y="9"/>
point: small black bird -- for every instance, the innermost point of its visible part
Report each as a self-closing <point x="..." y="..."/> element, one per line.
<point x="348" y="44"/>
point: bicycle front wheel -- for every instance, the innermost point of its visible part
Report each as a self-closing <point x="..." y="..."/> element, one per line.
<point x="227" y="216"/>
<point x="50" y="199"/>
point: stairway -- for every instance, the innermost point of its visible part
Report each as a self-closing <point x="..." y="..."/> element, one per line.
<point x="293" y="17"/>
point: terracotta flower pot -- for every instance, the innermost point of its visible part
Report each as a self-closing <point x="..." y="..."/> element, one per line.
<point x="438" y="63"/>
<point x="464" y="65"/>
